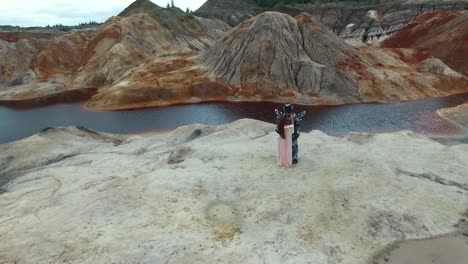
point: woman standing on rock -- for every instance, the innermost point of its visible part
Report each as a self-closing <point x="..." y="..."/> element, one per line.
<point x="285" y="132"/>
<point x="285" y="129"/>
<point x="288" y="125"/>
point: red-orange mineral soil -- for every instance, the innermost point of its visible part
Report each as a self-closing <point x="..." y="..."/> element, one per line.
<point x="152" y="56"/>
<point x="443" y="35"/>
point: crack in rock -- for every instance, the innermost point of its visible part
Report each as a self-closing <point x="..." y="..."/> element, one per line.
<point x="433" y="177"/>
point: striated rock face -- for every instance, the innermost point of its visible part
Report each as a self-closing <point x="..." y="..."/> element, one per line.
<point x="436" y="66"/>
<point x="382" y="21"/>
<point x="214" y="28"/>
<point x="358" y="25"/>
<point x="443" y="35"/>
<point x="386" y="75"/>
<point x="15" y="60"/>
<point x="202" y="194"/>
<point x="274" y="52"/>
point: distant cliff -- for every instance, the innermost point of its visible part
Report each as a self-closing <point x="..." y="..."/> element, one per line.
<point x="231" y="12"/>
<point x="355" y="24"/>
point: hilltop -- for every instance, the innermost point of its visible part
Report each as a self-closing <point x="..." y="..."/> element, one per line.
<point x="273" y="52"/>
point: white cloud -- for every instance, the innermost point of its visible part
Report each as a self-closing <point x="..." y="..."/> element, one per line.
<point x="70" y="12"/>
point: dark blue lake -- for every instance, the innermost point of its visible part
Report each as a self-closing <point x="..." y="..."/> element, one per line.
<point x="419" y="116"/>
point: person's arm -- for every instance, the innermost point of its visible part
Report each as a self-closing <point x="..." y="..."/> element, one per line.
<point x="278" y="115"/>
<point x="298" y="123"/>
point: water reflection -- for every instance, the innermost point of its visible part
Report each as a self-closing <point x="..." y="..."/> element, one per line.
<point x="419" y="116"/>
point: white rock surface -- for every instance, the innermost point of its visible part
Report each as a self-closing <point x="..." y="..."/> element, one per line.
<point x="437" y="66"/>
<point x="214" y="194"/>
<point x="457" y="114"/>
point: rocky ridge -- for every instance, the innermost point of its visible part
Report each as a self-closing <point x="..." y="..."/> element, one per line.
<point x="231" y="12"/>
<point x="215" y="193"/>
<point x="358" y="25"/>
<point x="184" y="28"/>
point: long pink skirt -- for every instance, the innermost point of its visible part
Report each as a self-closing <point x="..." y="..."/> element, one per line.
<point x="285" y="147"/>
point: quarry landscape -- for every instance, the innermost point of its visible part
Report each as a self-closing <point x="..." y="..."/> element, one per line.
<point x="202" y="184"/>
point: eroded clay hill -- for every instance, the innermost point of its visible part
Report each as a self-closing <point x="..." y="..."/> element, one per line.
<point x="96" y="60"/>
<point x="274" y="52"/>
<point x="258" y="61"/>
<point x="442" y="35"/>
<point x="16" y="55"/>
<point x="197" y="33"/>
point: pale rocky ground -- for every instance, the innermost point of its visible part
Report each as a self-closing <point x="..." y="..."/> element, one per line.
<point x="451" y="249"/>
<point x="214" y="194"/>
<point x="458" y="114"/>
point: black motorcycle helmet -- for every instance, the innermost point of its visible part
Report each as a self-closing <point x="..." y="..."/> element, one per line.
<point x="288" y="108"/>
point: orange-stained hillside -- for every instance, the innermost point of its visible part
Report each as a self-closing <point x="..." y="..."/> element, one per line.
<point x="443" y="35"/>
<point x="8" y="37"/>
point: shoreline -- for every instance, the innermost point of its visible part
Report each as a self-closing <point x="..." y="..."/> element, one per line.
<point x="440" y="249"/>
<point x="63" y="97"/>
<point x="441" y="130"/>
<point x="449" y="248"/>
<point x="85" y="95"/>
<point x="242" y="99"/>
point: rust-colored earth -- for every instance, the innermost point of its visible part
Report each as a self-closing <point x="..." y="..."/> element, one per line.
<point x="154" y="57"/>
<point x="443" y="35"/>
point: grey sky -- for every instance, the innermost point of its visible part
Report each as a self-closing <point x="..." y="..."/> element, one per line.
<point x="69" y="12"/>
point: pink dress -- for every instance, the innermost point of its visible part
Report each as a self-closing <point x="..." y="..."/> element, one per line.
<point x="285" y="147"/>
